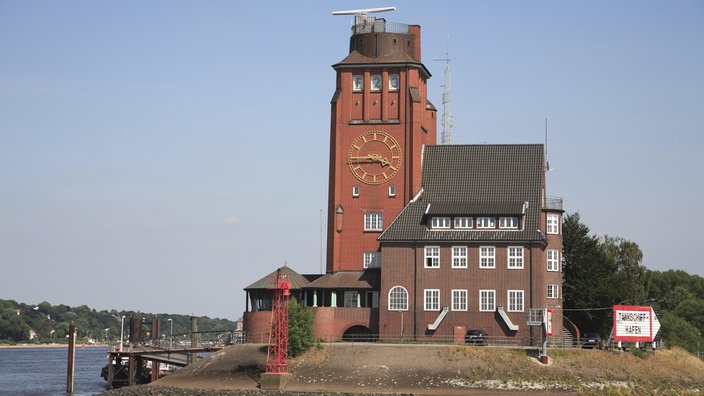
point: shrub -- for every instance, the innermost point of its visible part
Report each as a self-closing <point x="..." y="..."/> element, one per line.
<point x="300" y="328"/>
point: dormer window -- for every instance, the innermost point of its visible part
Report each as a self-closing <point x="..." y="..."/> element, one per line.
<point x="441" y="222"/>
<point x="486" y="222"/>
<point x="463" y="222"/>
<point x="508" y="222"/>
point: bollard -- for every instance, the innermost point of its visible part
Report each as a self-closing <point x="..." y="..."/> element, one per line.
<point x="71" y="357"/>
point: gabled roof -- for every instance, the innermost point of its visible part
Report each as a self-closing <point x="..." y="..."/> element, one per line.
<point x="297" y="280"/>
<point x="474" y="180"/>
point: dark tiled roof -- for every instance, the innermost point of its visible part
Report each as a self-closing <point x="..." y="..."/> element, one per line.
<point x="474" y="180"/>
<point x="297" y="280"/>
<point x="356" y="58"/>
<point x="347" y="280"/>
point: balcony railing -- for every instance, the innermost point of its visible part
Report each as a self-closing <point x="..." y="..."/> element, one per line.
<point x="372" y="25"/>
<point x="554" y="203"/>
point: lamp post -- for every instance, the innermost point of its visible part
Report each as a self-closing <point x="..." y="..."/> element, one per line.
<point x="171" y="334"/>
<point x="122" y="328"/>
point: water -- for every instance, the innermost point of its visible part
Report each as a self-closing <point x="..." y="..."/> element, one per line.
<point x="42" y="371"/>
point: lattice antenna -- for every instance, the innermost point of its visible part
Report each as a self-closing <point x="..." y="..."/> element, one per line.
<point x="447" y="120"/>
<point x="277" y="356"/>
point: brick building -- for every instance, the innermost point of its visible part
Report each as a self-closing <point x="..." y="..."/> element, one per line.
<point x="423" y="240"/>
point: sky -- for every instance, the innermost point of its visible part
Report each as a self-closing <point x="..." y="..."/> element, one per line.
<point x="160" y="156"/>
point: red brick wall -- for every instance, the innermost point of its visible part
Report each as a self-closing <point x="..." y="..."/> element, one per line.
<point x="399" y="264"/>
<point x="412" y="124"/>
<point x="257" y="325"/>
<point x="331" y="323"/>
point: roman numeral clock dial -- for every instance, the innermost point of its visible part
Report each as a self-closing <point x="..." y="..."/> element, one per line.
<point x="375" y="157"/>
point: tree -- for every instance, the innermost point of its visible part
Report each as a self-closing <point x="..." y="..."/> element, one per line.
<point x="588" y="272"/>
<point x="631" y="280"/>
<point x="300" y="328"/>
<point x="676" y="331"/>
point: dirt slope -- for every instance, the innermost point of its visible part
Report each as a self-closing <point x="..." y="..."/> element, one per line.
<point x="448" y="369"/>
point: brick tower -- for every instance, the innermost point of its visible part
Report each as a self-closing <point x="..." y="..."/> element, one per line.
<point x="380" y="121"/>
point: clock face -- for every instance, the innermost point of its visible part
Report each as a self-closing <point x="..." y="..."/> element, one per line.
<point x="393" y="82"/>
<point x="374" y="157"/>
<point x="376" y="82"/>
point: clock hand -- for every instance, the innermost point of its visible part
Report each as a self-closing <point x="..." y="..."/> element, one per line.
<point x="373" y="157"/>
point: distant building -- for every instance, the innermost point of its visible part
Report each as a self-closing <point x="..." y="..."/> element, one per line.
<point x="424" y="241"/>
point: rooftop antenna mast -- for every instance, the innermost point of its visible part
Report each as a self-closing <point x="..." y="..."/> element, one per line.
<point x="447" y="120"/>
<point x="545" y="148"/>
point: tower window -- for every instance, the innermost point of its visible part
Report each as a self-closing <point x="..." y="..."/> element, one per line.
<point x="392" y="191"/>
<point x="373" y="221"/>
<point x="376" y="83"/>
<point x="355" y="191"/>
<point x="358" y="83"/>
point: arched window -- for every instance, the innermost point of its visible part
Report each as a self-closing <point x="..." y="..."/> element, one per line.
<point x="398" y="299"/>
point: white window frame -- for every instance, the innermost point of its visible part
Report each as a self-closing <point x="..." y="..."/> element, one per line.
<point x="508" y="222"/>
<point x="459" y="300"/>
<point x="487" y="257"/>
<point x="459" y="256"/>
<point x="515" y="260"/>
<point x="553" y="291"/>
<point x="373" y="222"/>
<point x="392" y="191"/>
<point x="355" y="191"/>
<point x="486" y="222"/>
<point x="463" y="222"/>
<point x="553" y="224"/>
<point x="553" y="263"/>
<point x="440" y="222"/>
<point x="432" y="253"/>
<point x="372" y="259"/>
<point x="487" y="300"/>
<point x="398" y="299"/>
<point x="516" y="300"/>
<point x="431" y="299"/>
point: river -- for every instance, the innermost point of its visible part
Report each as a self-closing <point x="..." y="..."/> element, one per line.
<point x="43" y="371"/>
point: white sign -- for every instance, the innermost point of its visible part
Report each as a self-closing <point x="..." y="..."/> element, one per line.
<point x="635" y="324"/>
<point x="548" y="322"/>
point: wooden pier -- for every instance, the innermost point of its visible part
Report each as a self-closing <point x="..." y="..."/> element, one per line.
<point x="142" y="366"/>
<point x="142" y="361"/>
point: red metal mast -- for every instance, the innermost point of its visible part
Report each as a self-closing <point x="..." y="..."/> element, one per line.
<point x="277" y="356"/>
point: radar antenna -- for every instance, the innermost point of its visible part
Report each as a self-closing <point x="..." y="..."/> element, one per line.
<point x="447" y="119"/>
<point x="364" y="11"/>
